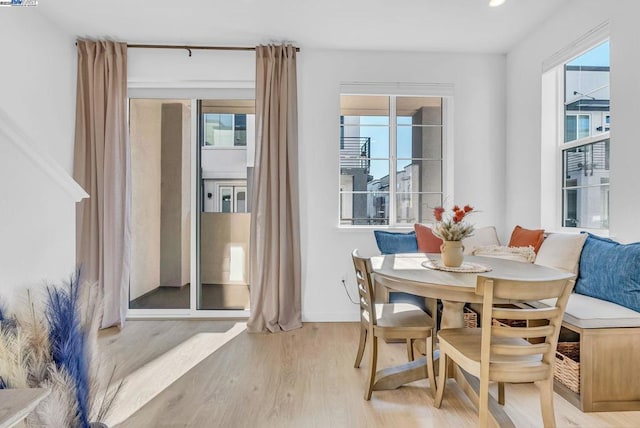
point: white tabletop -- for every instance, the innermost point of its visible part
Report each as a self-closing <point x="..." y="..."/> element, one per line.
<point x="405" y="272"/>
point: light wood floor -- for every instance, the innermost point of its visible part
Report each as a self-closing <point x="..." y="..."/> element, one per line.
<point x="175" y="377"/>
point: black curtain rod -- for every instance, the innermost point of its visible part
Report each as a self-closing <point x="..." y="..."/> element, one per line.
<point x="189" y="48"/>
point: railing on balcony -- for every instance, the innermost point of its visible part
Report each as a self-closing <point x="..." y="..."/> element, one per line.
<point x="587" y="158"/>
<point x="355" y="152"/>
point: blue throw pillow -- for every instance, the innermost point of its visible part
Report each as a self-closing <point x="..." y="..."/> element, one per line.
<point x="396" y="242"/>
<point x="393" y="243"/>
<point x="610" y="271"/>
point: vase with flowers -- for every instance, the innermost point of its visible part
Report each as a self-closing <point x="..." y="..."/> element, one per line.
<point x="452" y="228"/>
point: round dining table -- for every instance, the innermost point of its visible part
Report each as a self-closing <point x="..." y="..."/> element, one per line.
<point x="409" y="273"/>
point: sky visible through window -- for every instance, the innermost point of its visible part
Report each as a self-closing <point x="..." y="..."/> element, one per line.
<point x="598" y="56"/>
<point x="380" y="140"/>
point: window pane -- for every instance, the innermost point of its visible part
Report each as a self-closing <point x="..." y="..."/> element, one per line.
<point x="225" y="199"/>
<point x="587" y="91"/>
<point x="240" y="130"/>
<point x="586" y="186"/>
<point x="587" y="207"/>
<point x="364" y="175"/>
<point x="584" y="125"/>
<point x="241" y="200"/>
<point x="161" y="197"/>
<point x="419" y="110"/>
<point x="416" y="207"/>
<point x="226" y="129"/>
<point x="586" y="165"/>
<point x="364" y="109"/>
<point x="417" y="175"/>
<point x="570" y="127"/>
<point x="419" y="142"/>
<point x="364" y="208"/>
<point x="364" y="141"/>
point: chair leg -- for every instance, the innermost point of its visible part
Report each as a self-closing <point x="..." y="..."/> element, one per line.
<point x="501" y="393"/>
<point x="442" y="379"/>
<point x="361" y="345"/>
<point x="372" y="370"/>
<point x="546" y="402"/>
<point x="410" y="350"/>
<point x="430" y="370"/>
<point x="483" y="402"/>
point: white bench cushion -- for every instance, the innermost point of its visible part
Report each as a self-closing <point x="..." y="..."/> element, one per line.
<point x="562" y="251"/>
<point x="588" y="312"/>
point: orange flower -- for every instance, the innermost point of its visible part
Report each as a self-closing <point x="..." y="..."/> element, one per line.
<point x="437" y="213"/>
<point x="458" y="216"/>
<point x="451" y="224"/>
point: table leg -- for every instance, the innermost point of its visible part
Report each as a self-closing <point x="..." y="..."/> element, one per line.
<point x="395" y="377"/>
<point x="452" y="314"/>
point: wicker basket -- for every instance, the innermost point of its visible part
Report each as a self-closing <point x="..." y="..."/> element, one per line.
<point x="567" y="365"/>
<point x="470" y="318"/>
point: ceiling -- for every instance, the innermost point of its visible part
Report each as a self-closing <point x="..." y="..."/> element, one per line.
<point x="407" y="25"/>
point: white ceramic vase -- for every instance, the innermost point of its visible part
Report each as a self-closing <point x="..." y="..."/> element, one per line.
<point x="452" y="253"/>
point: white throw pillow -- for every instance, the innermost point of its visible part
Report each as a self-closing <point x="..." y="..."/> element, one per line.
<point x="519" y="254"/>
<point x="482" y="237"/>
<point x="562" y="251"/>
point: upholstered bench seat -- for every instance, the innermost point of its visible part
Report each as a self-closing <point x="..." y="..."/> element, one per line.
<point x="609" y="335"/>
<point x="588" y="312"/>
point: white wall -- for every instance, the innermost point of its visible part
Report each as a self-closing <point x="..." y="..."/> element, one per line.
<point x="37" y="226"/>
<point x="625" y="132"/>
<point x="478" y="153"/>
<point x="37" y="94"/>
<point x="524" y="69"/>
<point x="38" y="80"/>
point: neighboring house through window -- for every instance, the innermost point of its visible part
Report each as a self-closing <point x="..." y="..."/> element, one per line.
<point x="585" y="149"/>
<point x="392" y="169"/>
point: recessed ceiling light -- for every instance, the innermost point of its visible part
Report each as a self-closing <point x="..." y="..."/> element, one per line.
<point x="495" y="3"/>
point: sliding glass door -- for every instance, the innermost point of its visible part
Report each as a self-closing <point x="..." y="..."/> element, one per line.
<point x="160" y="136"/>
<point x="191" y="161"/>
<point x="226" y="142"/>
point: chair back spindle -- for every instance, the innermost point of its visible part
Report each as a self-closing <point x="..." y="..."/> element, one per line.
<point x="366" y="295"/>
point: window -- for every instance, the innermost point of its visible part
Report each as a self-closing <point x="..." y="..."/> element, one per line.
<point x="585" y="149"/>
<point x="391" y="159"/>
<point x="225" y="122"/>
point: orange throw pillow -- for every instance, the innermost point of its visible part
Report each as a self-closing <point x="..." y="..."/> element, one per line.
<point x="427" y="241"/>
<point x="521" y="237"/>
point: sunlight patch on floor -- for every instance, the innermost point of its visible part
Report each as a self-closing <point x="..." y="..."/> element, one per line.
<point x="147" y="382"/>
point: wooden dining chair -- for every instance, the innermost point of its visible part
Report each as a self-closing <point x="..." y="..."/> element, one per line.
<point x="508" y="354"/>
<point x="388" y="321"/>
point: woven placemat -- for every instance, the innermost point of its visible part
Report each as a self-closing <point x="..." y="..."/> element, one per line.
<point x="466" y="267"/>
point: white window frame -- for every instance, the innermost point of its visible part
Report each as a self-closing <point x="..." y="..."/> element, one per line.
<point x="443" y="91"/>
<point x="553" y="132"/>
